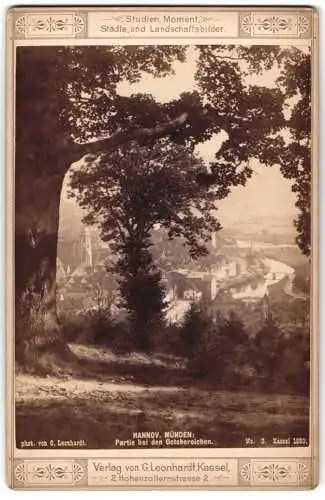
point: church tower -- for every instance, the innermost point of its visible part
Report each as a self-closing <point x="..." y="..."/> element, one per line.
<point x="86" y="247"/>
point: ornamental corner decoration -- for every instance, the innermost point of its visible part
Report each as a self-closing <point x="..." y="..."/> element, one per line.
<point x="259" y="25"/>
<point x="264" y="472"/>
<point x="47" y="25"/>
<point x="33" y="473"/>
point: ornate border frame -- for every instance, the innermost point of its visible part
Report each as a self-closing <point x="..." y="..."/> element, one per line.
<point x="73" y="473"/>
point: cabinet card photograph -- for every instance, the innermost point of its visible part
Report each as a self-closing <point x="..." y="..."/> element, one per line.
<point x="162" y="275"/>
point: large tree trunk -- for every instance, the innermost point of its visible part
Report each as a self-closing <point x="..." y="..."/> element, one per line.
<point x="39" y="344"/>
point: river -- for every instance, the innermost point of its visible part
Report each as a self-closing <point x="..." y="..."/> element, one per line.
<point x="261" y="245"/>
<point x="258" y="288"/>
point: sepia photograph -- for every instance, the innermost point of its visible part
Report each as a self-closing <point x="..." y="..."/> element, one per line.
<point x="162" y="246"/>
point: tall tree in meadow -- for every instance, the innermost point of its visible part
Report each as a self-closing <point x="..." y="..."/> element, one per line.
<point x="130" y="190"/>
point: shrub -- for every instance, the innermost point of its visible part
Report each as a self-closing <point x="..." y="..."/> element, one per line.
<point x="124" y="340"/>
<point x="224" y="351"/>
<point x="95" y="327"/>
<point x="166" y="340"/>
<point x="102" y="327"/>
<point x="194" y="325"/>
<point x="72" y="325"/>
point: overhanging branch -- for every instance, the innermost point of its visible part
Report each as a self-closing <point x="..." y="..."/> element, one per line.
<point x="121" y="136"/>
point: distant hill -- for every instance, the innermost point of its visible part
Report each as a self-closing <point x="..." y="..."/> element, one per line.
<point x="275" y="230"/>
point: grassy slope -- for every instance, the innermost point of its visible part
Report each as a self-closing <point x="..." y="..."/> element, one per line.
<point x="114" y="397"/>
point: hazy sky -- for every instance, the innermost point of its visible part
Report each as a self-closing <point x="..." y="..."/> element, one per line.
<point x="267" y="193"/>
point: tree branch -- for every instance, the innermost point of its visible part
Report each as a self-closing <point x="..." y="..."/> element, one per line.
<point x="122" y="136"/>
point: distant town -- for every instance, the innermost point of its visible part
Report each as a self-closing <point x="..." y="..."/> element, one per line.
<point x="238" y="275"/>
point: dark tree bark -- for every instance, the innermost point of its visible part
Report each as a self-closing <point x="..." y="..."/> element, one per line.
<point x="39" y="343"/>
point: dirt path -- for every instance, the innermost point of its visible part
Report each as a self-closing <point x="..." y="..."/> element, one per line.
<point x="30" y="388"/>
